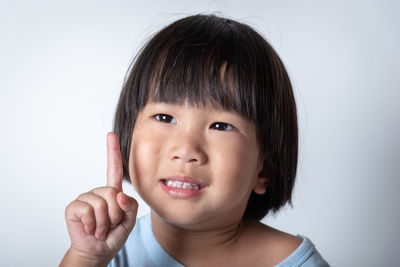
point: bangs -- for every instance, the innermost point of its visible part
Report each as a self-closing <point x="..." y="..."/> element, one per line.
<point x="201" y="67"/>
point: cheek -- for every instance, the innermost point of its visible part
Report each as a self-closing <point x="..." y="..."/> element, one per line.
<point x="144" y="159"/>
<point x="235" y="165"/>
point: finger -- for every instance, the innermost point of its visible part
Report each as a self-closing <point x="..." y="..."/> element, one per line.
<point x="114" y="211"/>
<point x="79" y="211"/>
<point x="114" y="162"/>
<point x="100" y="208"/>
<point x="129" y="206"/>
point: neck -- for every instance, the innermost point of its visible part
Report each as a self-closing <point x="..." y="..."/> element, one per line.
<point x="195" y="244"/>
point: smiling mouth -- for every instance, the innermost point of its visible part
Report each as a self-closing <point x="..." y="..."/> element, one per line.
<point x="182" y="185"/>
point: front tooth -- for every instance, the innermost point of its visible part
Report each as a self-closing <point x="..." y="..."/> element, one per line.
<point x="187" y="185"/>
<point x="184" y="185"/>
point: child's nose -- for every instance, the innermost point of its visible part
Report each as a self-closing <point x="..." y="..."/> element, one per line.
<point x="187" y="148"/>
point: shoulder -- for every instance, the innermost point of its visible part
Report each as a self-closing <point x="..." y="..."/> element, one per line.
<point x="269" y="245"/>
<point x="272" y="247"/>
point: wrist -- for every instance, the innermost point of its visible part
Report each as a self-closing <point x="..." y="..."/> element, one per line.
<point x="76" y="258"/>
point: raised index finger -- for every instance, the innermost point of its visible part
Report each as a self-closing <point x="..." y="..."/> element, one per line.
<point x="114" y="162"/>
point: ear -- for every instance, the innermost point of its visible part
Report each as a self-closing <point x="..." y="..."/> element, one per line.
<point x="262" y="180"/>
<point x="261" y="185"/>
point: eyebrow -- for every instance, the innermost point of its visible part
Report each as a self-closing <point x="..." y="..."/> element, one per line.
<point x="215" y="109"/>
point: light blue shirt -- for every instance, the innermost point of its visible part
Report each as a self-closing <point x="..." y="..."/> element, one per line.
<point x="141" y="249"/>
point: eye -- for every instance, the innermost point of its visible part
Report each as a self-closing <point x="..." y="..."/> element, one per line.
<point x="222" y="126"/>
<point x="165" y="118"/>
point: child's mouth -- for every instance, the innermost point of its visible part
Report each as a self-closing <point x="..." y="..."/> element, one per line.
<point x="183" y="185"/>
<point x="181" y="189"/>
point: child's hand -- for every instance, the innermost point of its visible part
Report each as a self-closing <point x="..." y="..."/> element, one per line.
<point x="100" y="220"/>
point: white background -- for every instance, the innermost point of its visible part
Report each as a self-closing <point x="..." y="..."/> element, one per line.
<point x="62" y="64"/>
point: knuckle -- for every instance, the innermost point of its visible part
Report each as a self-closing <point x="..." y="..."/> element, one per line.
<point x="97" y="190"/>
<point x="102" y="226"/>
<point x="83" y="195"/>
<point x="110" y="193"/>
<point x="87" y="210"/>
<point x="70" y="207"/>
<point x="89" y="221"/>
<point x="100" y="205"/>
<point x="106" y="192"/>
<point x="115" y="216"/>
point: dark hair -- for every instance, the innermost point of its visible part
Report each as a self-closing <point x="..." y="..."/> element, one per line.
<point x="209" y="59"/>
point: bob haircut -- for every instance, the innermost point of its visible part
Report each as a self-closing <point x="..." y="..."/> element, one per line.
<point x="206" y="59"/>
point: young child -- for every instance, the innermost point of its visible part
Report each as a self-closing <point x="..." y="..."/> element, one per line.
<point x="206" y="131"/>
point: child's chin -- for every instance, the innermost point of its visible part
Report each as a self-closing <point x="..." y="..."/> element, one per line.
<point x="180" y="218"/>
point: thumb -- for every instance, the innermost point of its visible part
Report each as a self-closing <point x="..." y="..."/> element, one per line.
<point x="129" y="206"/>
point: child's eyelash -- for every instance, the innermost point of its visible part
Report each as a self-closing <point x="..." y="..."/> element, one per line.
<point x="222" y="126"/>
<point x="165" y="118"/>
<point x="219" y="126"/>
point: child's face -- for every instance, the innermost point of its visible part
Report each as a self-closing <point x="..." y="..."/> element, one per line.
<point x="182" y="143"/>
